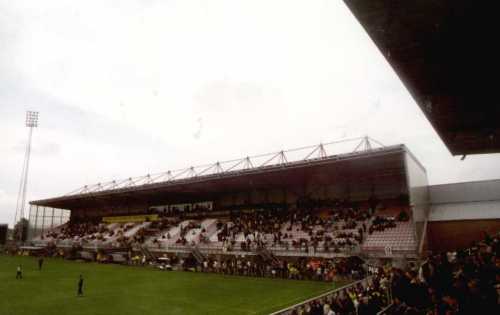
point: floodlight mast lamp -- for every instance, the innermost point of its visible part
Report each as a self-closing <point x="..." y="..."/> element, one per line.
<point x="31" y="122"/>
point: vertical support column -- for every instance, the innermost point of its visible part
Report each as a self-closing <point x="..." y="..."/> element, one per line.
<point x="43" y="220"/>
<point x="52" y="219"/>
<point x="36" y="220"/>
<point x="30" y="230"/>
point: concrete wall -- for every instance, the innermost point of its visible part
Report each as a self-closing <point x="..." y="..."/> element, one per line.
<point x="465" y="192"/>
<point x="418" y="193"/>
<point x="479" y="210"/>
<point x="418" y="188"/>
<point x="453" y="235"/>
<point x="465" y="201"/>
<point x="461" y="212"/>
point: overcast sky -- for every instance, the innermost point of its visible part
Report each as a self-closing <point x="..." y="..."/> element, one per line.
<point x="129" y="87"/>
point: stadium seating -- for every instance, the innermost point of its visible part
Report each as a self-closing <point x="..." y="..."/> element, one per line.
<point x="401" y="237"/>
<point x="298" y="232"/>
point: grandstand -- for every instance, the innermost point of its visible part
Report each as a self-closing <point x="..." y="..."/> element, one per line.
<point x="370" y="202"/>
<point x="329" y="217"/>
<point x="375" y="203"/>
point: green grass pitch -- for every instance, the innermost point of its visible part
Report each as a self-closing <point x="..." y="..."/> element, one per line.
<point x="113" y="289"/>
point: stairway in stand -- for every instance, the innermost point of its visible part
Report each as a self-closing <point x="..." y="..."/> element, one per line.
<point x="146" y="252"/>
<point x="266" y="254"/>
<point x="198" y="255"/>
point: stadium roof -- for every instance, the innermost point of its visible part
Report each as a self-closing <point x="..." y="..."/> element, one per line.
<point x="444" y="52"/>
<point x="363" y="164"/>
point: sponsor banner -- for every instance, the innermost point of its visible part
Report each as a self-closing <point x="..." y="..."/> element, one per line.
<point x="131" y="218"/>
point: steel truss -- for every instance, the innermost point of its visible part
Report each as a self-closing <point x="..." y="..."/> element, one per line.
<point x="256" y="162"/>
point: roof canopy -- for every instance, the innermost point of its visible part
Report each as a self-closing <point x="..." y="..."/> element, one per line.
<point x="444" y="52"/>
<point x="380" y="165"/>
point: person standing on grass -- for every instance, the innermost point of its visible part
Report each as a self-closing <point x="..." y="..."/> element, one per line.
<point x="19" y="272"/>
<point x="80" y="286"/>
<point x="40" y="263"/>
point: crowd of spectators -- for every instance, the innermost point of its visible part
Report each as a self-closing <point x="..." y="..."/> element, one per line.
<point x="359" y="299"/>
<point x="342" y="228"/>
<point x="463" y="282"/>
<point x="298" y="268"/>
<point x="332" y="230"/>
<point x="88" y="230"/>
<point x="457" y="283"/>
<point x="380" y="224"/>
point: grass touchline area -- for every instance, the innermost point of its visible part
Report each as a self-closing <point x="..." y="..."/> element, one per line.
<point x="115" y="289"/>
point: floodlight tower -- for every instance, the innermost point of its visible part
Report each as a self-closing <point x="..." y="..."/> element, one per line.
<point x="31" y="122"/>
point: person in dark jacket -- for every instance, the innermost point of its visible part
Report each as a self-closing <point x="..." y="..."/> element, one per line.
<point x="80" y="286"/>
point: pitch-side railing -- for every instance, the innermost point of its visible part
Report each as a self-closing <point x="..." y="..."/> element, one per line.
<point x="336" y="292"/>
